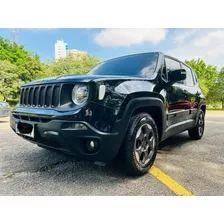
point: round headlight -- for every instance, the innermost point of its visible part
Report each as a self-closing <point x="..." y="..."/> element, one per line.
<point x="80" y="94"/>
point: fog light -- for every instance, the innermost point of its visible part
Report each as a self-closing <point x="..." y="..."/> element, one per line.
<point x="92" y="145"/>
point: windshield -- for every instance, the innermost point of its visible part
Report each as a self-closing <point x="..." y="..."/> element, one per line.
<point x="139" y="64"/>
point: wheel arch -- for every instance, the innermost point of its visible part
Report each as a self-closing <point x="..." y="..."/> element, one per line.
<point x="156" y="114"/>
<point x="151" y="105"/>
<point x="202" y="107"/>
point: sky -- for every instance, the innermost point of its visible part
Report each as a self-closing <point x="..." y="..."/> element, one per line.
<point x="207" y="44"/>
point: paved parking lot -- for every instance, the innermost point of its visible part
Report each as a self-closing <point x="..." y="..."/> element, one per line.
<point x="197" y="166"/>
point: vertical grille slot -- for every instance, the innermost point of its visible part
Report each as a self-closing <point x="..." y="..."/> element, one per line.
<point x="40" y="96"/>
<point x="24" y="92"/>
<point x="48" y="96"/>
<point x="26" y="96"/>
<point x="35" y="97"/>
<point x="55" y="96"/>
<point x="30" y="100"/>
<point x="21" y="96"/>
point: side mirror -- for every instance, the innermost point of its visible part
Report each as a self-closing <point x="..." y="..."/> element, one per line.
<point x="177" y="75"/>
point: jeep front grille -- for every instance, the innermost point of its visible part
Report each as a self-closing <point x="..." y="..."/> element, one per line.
<point x="40" y="96"/>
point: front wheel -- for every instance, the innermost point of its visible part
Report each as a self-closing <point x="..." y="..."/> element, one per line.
<point x="140" y="144"/>
<point x="198" y="131"/>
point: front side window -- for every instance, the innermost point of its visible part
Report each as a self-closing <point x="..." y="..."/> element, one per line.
<point x="189" y="77"/>
<point x="172" y="65"/>
<point x="131" y="65"/>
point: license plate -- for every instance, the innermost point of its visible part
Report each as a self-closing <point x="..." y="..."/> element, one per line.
<point x="31" y="134"/>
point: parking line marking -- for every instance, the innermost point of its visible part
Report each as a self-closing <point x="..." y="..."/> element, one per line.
<point x="169" y="182"/>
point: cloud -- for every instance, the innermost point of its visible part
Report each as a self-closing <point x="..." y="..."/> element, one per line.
<point x="128" y="37"/>
<point x="211" y="39"/>
<point x="209" y="47"/>
<point x="180" y="37"/>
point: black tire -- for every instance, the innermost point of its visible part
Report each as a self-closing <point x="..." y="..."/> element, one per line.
<point x="197" y="132"/>
<point x="130" y="153"/>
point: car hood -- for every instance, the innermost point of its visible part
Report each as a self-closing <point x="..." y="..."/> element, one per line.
<point x="80" y="78"/>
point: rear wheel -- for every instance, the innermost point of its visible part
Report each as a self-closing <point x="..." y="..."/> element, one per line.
<point x="140" y="144"/>
<point x="198" y="131"/>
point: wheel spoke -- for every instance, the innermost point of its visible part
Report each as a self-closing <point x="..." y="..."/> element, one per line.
<point x="140" y="135"/>
<point x="147" y="158"/>
<point x="151" y="142"/>
<point x="148" y="132"/>
<point x="138" y="155"/>
<point x="143" y="159"/>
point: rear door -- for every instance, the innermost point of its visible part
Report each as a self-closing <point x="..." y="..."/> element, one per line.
<point x="192" y="90"/>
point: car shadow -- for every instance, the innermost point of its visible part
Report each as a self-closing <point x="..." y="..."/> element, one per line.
<point x="174" y="141"/>
<point x="79" y="177"/>
<point x="58" y="165"/>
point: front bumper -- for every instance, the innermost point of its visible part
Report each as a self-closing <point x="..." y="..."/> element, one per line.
<point x="62" y="135"/>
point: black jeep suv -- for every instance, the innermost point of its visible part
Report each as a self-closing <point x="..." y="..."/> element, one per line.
<point x="123" y="108"/>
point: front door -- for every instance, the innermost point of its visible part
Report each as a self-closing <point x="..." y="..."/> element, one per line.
<point x="177" y="99"/>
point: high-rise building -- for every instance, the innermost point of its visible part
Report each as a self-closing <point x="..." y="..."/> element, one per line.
<point x="76" y="54"/>
<point x="60" y="49"/>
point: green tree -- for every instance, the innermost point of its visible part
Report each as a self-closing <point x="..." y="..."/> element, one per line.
<point x="69" y="65"/>
<point x="216" y="93"/>
<point x="207" y="74"/>
<point x="9" y="80"/>
<point x="28" y="64"/>
<point x="12" y="51"/>
<point x="30" y="69"/>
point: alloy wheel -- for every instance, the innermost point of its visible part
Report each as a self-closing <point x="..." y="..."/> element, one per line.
<point x="144" y="145"/>
<point x="201" y="124"/>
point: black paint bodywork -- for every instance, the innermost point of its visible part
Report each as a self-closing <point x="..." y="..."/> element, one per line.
<point x="174" y="108"/>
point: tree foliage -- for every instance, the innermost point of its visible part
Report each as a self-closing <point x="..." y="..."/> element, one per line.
<point x="207" y="74"/>
<point x="9" y="80"/>
<point x="28" y="64"/>
<point x="71" y="66"/>
<point x="216" y="93"/>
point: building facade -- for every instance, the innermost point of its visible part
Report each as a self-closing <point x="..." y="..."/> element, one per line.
<point x="61" y="49"/>
<point x="76" y="54"/>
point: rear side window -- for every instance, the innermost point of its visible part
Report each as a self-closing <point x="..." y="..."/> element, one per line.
<point x="189" y="78"/>
<point x="172" y="65"/>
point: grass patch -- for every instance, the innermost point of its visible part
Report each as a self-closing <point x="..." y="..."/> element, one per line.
<point x="218" y="109"/>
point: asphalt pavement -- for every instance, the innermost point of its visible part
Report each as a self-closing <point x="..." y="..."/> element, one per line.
<point x="198" y="166"/>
